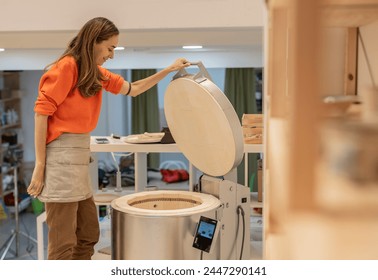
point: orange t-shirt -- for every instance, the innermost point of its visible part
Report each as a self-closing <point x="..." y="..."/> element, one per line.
<point x="60" y="99"/>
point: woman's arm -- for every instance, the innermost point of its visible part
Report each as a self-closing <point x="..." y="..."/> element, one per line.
<point x="141" y="86"/>
<point x="40" y="132"/>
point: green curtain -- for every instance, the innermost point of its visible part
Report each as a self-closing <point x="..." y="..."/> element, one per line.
<point x="240" y="88"/>
<point x="145" y="112"/>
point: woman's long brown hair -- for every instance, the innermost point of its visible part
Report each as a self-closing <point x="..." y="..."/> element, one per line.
<point x="81" y="48"/>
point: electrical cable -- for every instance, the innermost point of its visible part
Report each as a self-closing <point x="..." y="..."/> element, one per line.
<point x="241" y="211"/>
<point x="200" y="184"/>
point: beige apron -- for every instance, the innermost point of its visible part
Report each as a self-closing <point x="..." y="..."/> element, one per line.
<point x="67" y="176"/>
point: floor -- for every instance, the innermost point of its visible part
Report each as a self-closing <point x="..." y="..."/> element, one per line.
<point x="27" y="225"/>
<point x="28" y="249"/>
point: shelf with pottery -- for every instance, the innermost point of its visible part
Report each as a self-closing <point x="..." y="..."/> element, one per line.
<point x="10" y="113"/>
<point x="13" y="174"/>
<point x="10" y="122"/>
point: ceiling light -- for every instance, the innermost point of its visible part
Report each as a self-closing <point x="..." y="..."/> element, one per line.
<point x="119" y="48"/>
<point x="1" y="49"/>
<point x="191" y="47"/>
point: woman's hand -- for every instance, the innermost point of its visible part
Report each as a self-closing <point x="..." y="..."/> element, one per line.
<point x="178" y="64"/>
<point x="36" y="184"/>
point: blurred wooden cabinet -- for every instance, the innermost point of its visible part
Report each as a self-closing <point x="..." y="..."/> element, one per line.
<point x="11" y="152"/>
<point x="301" y="220"/>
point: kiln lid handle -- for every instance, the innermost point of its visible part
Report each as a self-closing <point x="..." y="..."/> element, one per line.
<point x="199" y="77"/>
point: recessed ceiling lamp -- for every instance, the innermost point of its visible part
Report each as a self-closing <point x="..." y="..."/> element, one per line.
<point x="1" y="49"/>
<point x="119" y="48"/>
<point x="192" y="47"/>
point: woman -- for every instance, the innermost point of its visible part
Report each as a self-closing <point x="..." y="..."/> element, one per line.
<point x="66" y="111"/>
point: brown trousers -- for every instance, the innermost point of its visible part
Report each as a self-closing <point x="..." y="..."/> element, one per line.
<point x="73" y="229"/>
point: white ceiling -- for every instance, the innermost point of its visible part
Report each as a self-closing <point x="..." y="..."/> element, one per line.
<point x="152" y="32"/>
<point x="222" y="47"/>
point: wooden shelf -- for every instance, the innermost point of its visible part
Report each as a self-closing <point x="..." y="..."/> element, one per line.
<point x="6" y="192"/>
<point x="254" y="202"/>
<point x="339" y="13"/>
<point x="253" y="148"/>
<point x="9" y="73"/>
<point x="7" y="126"/>
<point x="10" y="101"/>
<point x="343" y="13"/>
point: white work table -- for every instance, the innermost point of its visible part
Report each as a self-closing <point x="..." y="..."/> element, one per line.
<point x="119" y="145"/>
<point x="140" y="152"/>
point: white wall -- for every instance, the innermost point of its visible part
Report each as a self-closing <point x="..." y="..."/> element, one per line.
<point x="29" y="81"/>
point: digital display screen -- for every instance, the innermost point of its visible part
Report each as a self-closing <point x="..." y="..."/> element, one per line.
<point x="205" y="234"/>
<point x="206" y="229"/>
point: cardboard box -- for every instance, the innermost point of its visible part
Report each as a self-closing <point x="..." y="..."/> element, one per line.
<point x="253" y="128"/>
<point x="249" y="131"/>
<point x="253" y="135"/>
<point x="255" y="139"/>
<point x="251" y="119"/>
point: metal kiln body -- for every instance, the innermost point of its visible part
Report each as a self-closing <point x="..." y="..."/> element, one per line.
<point x="159" y="224"/>
<point x="162" y="224"/>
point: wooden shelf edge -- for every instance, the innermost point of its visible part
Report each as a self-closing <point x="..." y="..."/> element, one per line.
<point x="254" y="202"/>
<point x="253" y="148"/>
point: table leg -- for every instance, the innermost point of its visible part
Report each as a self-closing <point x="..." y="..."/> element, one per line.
<point x="140" y="171"/>
<point x="40" y="245"/>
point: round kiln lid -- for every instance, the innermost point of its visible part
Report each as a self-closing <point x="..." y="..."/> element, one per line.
<point x="203" y="123"/>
